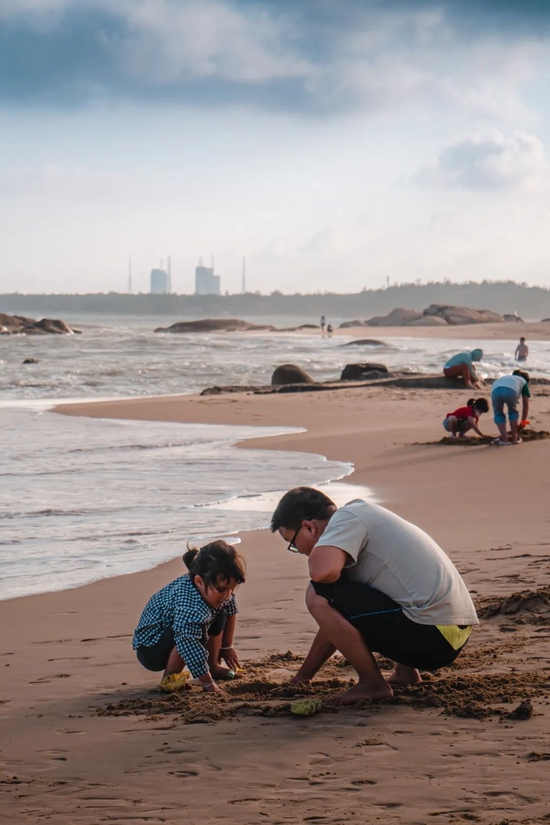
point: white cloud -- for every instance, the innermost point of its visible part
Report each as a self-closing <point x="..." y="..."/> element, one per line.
<point x="489" y="161"/>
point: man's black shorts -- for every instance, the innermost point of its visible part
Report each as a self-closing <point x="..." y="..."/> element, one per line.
<point x="155" y="657"/>
<point x="385" y="628"/>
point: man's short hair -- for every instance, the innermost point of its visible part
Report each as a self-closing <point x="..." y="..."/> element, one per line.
<point x="298" y="505"/>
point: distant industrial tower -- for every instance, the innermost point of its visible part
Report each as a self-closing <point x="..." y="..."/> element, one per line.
<point x="206" y="283"/>
<point x="243" y="282"/>
<point x="130" y="290"/>
<point x="160" y="282"/>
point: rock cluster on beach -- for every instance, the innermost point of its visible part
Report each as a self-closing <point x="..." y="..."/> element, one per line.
<point x="436" y="315"/>
<point x="19" y="325"/>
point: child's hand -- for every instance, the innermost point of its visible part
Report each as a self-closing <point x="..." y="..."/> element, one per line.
<point x="229" y="655"/>
<point x="214" y="688"/>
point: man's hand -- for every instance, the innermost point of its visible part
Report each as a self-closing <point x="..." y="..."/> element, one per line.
<point x="297" y="679"/>
<point x="229" y="656"/>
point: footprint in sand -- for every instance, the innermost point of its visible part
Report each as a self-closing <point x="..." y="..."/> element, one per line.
<point x="45" y="679"/>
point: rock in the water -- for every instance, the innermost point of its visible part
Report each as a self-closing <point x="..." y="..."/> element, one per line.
<point x="351" y="324"/>
<point x="429" y="321"/>
<point x="19" y="325"/>
<point x="397" y="318"/>
<point x="364" y="372"/>
<point x="215" y="325"/>
<point x="31" y="361"/>
<point x="365" y="342"/>
<point x="290" y="374"/>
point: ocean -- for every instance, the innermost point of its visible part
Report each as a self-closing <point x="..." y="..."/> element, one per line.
<point x="84" y="499"/>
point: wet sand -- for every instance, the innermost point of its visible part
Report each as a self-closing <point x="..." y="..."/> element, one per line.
<point x="87" y="739"/>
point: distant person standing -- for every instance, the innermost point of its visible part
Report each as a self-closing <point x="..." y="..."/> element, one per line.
<point x="323" y="324"/>
<point x="522" y="350"/>
<point x="329" y="330"/>
<point x="461" y="366"/>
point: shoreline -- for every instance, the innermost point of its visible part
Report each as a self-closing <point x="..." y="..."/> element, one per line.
<point x="69" y="652"/>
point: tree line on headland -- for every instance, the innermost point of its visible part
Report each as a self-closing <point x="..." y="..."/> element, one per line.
<point x="500" y="296"/>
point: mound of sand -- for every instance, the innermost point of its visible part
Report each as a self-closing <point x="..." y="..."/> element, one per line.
<point x="467" y="695"/>
<point x="477" y="441"/>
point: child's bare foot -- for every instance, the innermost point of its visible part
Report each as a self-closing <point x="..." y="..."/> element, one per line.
<point x="403" y="675"/>
<point x="359" y="693"/>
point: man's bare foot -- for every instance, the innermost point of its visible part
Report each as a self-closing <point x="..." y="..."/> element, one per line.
<point x="359" y="693"/>
<point x="403" y="675"/>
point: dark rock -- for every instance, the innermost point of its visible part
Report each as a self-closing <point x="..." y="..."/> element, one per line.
<point x="53" y="326"/>
<point x="233" y="388"/>
<point x="459" y="316"/>
<point x="365" y="342"/>
<point x="364" y="372"/>
<point x="31" y="361"/>
<point x="290" y="374"/>
<point x="215" y="325"/>
<point x="523" y="711"/>
<point x="429" y="321"/>
<point x="351" y="324"/>
<point x="19" y="325"/>
<point x="397" y="318"/>
<point x="513" y="319"/>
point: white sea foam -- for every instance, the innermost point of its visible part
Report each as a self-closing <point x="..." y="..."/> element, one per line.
<point x="124" y="357"/>
<point x="84" y="499"/>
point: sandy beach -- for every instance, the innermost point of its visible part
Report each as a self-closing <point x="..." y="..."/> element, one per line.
<point x="86" y="738"/>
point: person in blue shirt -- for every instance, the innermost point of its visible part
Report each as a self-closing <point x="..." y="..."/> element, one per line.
<point x="507" y="393"/>
<point x="191" y="622"/>
<point x="461" y="366"/>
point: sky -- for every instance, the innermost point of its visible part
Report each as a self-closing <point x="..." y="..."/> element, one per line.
<point x="334" y="143"/>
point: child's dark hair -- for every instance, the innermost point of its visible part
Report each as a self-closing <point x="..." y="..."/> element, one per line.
<point x="479" y="404"/>
<point x="300" y="504"/>
<point x="522" y="374"/>
<point x="216" y="563"/>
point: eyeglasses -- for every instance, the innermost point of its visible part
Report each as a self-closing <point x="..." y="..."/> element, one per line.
<point x="291" y="546"/>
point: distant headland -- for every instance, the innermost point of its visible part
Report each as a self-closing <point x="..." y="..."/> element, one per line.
<point x="503" y="297"/>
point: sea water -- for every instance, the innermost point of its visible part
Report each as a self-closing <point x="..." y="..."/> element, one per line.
<point x="119" y="357"/>
<point x="83" y="498"/>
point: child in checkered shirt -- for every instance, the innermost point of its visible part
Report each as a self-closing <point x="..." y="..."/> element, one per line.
<point x="191" y="622"/>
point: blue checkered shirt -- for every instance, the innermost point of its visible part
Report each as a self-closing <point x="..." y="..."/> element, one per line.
<point x="181" y="607"/>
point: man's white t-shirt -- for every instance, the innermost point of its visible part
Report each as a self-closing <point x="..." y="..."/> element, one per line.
<point x="402" y="561"/>
<point x="510" y="382"/>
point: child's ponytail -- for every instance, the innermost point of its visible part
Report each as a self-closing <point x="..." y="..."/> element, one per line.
<point x="189" y="556"/>
<point x="214" y="561"/>
<point x="470" y="402"/>
<point x="481" y="405"/>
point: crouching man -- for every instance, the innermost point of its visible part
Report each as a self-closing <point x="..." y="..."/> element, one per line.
<point x="378" y="584"/>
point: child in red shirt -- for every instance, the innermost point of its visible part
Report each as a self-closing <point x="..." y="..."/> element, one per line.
<point x="466" y="418"/>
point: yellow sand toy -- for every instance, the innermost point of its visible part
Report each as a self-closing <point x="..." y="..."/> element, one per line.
<point x="306" y="707"/>
<point x="173" y="682"/>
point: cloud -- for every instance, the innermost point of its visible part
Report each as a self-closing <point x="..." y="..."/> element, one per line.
<point x="491" y="161"/>
<point x="327" y="57"/>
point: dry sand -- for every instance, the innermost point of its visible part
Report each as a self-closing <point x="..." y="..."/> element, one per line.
<point x="532" y="331"/>
<point x="86" y="738"/>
